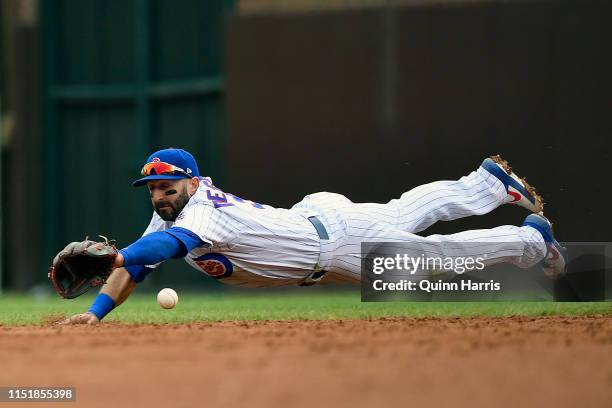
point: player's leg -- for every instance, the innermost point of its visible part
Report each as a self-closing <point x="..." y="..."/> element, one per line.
<point x="480" y="192"/>
<point x="477" y="193"/>
<point x="522" y="246"/>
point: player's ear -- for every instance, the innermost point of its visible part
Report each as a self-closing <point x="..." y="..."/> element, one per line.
<point x="194" y="183"/>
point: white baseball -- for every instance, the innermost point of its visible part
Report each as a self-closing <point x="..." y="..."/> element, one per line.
<point x="167" y="298"/>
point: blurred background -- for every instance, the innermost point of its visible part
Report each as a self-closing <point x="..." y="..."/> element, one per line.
<point x="281" y="98"/>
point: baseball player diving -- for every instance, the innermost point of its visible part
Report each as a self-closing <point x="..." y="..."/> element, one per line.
<point x="242" y="242"/>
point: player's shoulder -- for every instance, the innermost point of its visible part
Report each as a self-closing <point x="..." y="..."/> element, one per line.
<point x="200" y="198"/>
<point x="197" y="203"/>
<point x="204" y="194"/>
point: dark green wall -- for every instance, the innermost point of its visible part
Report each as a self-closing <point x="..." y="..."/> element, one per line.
<point x="122" y="79"/>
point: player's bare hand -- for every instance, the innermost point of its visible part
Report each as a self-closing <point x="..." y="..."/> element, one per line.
<point x="118" y="262"/>
<point x="82" y="318"/>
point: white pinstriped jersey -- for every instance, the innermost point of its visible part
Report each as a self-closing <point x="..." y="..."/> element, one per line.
<point x="266" y="246"/>
<point x="257" y="245"/>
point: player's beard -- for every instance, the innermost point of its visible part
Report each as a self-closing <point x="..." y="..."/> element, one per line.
<point x="173" y="209"/>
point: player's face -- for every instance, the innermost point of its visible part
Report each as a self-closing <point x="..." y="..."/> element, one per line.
<point x="169" y="197"/>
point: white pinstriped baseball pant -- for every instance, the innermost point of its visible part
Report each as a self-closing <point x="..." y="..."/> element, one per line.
<point x="349" y="224"/>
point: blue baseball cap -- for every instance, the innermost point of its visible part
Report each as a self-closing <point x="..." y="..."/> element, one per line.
<point x="187" y="166"/>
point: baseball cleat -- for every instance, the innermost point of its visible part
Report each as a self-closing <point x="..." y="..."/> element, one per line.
<point x="519" y="191"/>
<point x="555" y="261"/>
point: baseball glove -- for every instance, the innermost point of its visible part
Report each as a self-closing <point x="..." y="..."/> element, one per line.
<point x="82" y="266"/>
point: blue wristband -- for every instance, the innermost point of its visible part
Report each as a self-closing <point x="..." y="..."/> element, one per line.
<point x="102" y="305"/>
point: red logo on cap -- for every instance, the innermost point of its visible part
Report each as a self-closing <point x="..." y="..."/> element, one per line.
<point x="155" y="160"/>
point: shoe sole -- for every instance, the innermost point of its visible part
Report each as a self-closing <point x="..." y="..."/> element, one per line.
<point x="530" y="189"/>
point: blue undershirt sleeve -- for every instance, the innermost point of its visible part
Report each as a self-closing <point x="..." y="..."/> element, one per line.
<point x="188" y="238"/>
<point x="159" y="246"/>
<point x="138" y="272"/>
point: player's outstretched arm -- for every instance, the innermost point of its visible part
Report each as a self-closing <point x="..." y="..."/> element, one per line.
<point x="118" y="287"/>
<point x="150" y="249"/>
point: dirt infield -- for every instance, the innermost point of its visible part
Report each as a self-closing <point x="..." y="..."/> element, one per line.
<point x="554" y="361"/>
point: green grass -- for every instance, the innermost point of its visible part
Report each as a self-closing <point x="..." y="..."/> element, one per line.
<point x="142" y="308"/>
